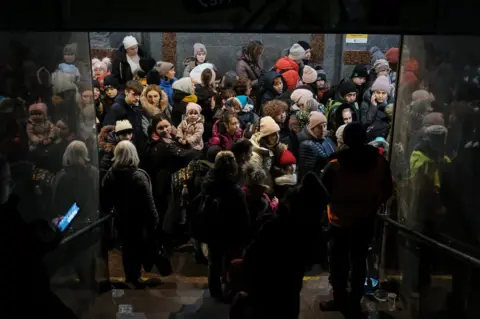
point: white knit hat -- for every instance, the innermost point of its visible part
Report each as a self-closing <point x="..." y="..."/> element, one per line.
<point x="123" y="125"/>
<point x="297" y="53"/>
<point x="129" y="41"/>
<point x="268" y="126"/>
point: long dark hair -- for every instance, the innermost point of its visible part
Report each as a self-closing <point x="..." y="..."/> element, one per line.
<point x="224" y="120"/>
<point x="155" y="120"/>
<point x="206" y="77"/>
<point x="253" y="50"/>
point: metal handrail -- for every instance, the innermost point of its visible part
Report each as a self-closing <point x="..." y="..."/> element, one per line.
<point x="436" y="244"/>
<point x="86" y="229"/>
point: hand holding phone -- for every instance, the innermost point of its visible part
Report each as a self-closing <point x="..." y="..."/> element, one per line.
<point x="63" y="222"/>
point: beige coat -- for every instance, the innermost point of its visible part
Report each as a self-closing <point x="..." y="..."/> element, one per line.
<point x="192" y="133"/>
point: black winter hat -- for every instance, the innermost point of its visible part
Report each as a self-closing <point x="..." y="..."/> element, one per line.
<point x="359" y="72"/>
<point x="110" y="81"/>
<point x="321" y="75"/>
<point x="146" y="64"/>
<point x="354" y="135"/>
<point x="95" y="84"/>
<point x="304" y="45"/>
<point x="347" y="87"/>
<point x="153" y="77"/>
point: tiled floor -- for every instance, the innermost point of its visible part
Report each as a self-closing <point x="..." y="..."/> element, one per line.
<point x="185" y="295"/>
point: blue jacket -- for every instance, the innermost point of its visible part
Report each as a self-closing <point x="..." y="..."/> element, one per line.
<point x="313" y="154"/>
<point x="166" y="86"/>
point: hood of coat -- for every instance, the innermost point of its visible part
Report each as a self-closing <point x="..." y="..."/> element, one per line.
<point x="189" y="61"/>
<point x="152" y="109"/>
<point x="290" y="179"/>
<point x="255" y="140"/>
<point x="268" y="82"/>
<point x="213" y="185"/>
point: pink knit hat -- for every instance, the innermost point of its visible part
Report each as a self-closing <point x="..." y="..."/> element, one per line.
<point x="300" y="96"/>
<point x="316" y="118"/>
<point x="42" y="107"/>
<point x="309" y="75"/>
<point x="382" y="83"/>
<point x="194" y="106"/>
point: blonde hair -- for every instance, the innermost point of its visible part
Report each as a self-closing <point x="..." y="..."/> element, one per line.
<point x="125" y="155"/>
<point x="76" y="153"/>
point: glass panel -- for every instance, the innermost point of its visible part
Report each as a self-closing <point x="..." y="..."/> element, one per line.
<point x="48" y="136"/>
<point x="435" y="147"/>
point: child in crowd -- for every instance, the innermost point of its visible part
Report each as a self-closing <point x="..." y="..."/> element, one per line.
<point x="108" y="139"/>
<point x="39" y="129"/>
<point x="100" y="70"/>
<point x="190" y="130"/>
<point x="243" y="86"/>
<point x="68" y="64"/>
<point x="260" y="206"/>
<point x="287" y="173"/>
<point x="274" y="87"/>
<point x="243" y="106"/>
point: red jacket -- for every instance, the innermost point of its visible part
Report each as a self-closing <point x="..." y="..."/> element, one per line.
<point x="289" y="70"/>
<point x="225" y="141"/>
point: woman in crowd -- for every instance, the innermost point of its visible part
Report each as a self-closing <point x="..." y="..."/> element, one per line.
<point x="129" y="190"/>
<point x="127" y="60"/>
<point x="295" y="217"/>
<point x="249" y="62"/>
<point x="167" y="72"/>
<point x="316" y="147"/>
<point x="373" y="111"/>
<point x="230" y="234"/>
<point x="199" y="57"/>
<point x="165" y="156"/>
<point x="267" y="150"/>
<point x="155" y="101"/>
<point x="70" y="185"/>
<point x="206" y="99"/>
<point x="183" y="93"/>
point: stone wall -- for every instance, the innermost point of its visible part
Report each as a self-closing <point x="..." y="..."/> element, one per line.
<point x="223" y="47"/>
<point x="384" y="42"/>
<point x="338" y="56"/>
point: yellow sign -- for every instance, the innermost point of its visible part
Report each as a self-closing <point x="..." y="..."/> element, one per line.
<point x="356" y="38"/>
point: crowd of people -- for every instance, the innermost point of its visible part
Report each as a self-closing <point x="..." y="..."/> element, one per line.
<point x="236" y="161"/>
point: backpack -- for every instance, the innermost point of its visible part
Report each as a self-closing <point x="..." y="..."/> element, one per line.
<point x="204" y="215"/>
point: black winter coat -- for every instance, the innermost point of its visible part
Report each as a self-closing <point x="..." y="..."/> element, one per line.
<point x="120" y="67"/>
<point x="129" y="191"/>
<point x="234" y="223"/>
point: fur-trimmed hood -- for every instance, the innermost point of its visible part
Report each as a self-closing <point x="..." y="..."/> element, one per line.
<point x="151" y="109"/>
<point x="290" y="179"/>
